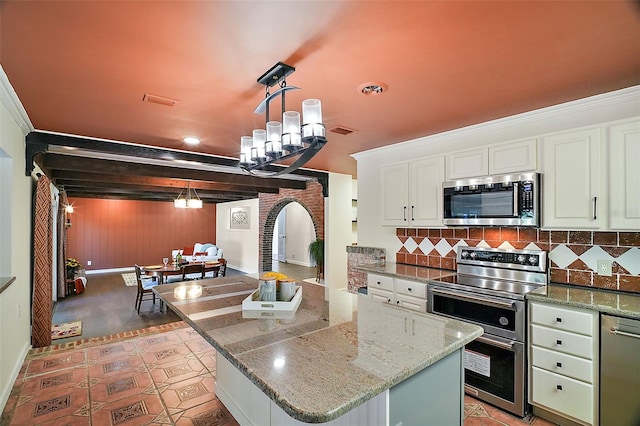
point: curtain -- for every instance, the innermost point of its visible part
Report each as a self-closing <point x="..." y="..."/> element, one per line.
<point x="43" y="258"/>
<point x="62" y="246"/>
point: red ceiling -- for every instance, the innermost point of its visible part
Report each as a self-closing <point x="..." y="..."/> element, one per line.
<point x="83" y="67"/>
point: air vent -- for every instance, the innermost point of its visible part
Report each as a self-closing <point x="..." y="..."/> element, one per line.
<point x="160" y="100"/>
<point x="342" y="130"/>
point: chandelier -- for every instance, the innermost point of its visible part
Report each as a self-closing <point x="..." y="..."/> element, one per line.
<point x="187" y="201"/>
<point x="287" y="139"/>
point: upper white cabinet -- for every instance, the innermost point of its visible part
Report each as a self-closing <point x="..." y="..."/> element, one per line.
<point x="518" y="156"/>
<point x="509" y="157"/>
<point x="466" y="164"/>
<point x="624" y="176"/>
<point x="590" y="178"/>
<point x="571" y="180"/>
<point x="412" y="193"/>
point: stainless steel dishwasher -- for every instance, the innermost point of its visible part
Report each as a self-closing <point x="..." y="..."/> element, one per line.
<point x="619" y="371"/>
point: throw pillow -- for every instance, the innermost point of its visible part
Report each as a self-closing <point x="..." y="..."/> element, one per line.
<point x="187" y="251"/>
<point x="200" y="253"/>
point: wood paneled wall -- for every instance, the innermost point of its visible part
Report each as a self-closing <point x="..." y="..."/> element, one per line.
<point x="119" y="233"/>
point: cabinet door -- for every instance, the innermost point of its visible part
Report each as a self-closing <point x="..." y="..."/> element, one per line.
<point x="467" y="164"/>
<point x="516" y="156"/>
<point x="571" y="177"/>
<point x="395" y="193"/>
<point x="624" y="174"/>
<point x="425" y="191"/>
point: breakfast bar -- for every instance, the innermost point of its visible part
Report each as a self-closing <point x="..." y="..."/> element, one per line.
<point x="378" y="365"/>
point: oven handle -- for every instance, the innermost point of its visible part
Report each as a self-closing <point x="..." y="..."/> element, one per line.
<point x="481" y="300"/>
<point x="516" y="195"/>
<point x="505" y="346"/>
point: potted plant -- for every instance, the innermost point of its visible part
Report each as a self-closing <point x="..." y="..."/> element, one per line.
<point x="316" y="252"/>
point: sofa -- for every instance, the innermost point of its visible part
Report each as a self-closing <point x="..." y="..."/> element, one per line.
<point x="206" y="252"/>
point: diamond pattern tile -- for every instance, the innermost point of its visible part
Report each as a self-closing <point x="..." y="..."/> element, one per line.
<point x="591" y="257"/>
<point x="562" y="256"/>
<point x="630" y="260"/>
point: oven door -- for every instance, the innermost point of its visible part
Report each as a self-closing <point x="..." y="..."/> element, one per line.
<point x="495" y="372"/>
<point x="500" y="317"/>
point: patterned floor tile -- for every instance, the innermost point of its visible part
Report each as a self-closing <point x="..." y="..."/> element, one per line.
<point x="114" y="367"/>
<point x="113" y="350"/>
<point x="127" y="385"/>
<point x="58" y="361"/>
<point x="141" y="410"/>
<point x="167" y="355"/>
<point x="188" y="334"/>
<point x="176" y="371"/>
<point x="49" y="406"/>
<point x="188" y="393"/>
<point x="212" y="413"/>
<point x="55" y="382"/>
<point x="156" y="341"/>
<point x="199" y="345"/>
<point x="208" y="358"/>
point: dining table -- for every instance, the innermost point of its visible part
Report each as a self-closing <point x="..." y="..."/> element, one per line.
<point x="170" y="269"/>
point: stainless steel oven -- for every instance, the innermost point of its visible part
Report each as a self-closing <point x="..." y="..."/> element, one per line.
<point x="489" y="291"/>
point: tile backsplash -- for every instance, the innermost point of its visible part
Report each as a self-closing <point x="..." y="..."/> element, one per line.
<point x="573" y="255"/>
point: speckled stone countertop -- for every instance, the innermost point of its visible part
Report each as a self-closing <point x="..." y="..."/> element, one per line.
<point x="605" y="301"/>
<point x="335" y="359"/>
<point x="417" y="273"/>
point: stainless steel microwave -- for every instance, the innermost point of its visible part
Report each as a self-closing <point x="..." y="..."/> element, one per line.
<point x="500" y="200"/>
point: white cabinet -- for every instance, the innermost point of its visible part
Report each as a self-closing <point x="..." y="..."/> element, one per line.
<point x="563" y="350"/>
<point x="398" y="292"/>
<point x="624" y="176"/>
<point x="498" y="159"/>
<point x="571" y="180"/>
<point x="412" y="193"/>
<point x="466" y="164"/>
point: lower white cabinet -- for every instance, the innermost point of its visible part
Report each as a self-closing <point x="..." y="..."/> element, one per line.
<point x="398" y="292"/>
<point x="563" y="364"/>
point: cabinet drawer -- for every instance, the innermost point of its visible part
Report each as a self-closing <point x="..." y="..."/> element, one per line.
<point x="567" y="365"/>
<point x="413" y="303"/>
<point x="563" y="394"/>
<point x="411" y="288"/>
<point x="563" y="318"/>
<point x="383" y="296"/>
<point x="562" y="341"/>
<point x="379" y="281"/>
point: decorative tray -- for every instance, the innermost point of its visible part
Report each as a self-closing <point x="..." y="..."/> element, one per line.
<point x="253" y="307"/>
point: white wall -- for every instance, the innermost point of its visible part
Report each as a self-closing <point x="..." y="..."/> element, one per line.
<point x="240" y="245"/>
<point x="300" y="232"/>
<point x="603" y="108"/>
<point x="15" y="238"/>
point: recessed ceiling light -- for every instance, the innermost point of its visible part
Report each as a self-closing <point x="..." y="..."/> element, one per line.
<point x="191" y="140"/>
<point x="372" y="88"/>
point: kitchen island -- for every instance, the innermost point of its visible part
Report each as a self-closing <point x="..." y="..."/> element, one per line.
<point x="382" y="365"/>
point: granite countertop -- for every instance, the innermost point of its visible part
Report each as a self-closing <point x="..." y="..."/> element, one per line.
<point x="398" y="270"/>
<point x="330" y="358"/>
<point x="605" y="301"/>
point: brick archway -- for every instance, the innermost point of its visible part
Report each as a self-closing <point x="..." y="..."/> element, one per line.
<point x="271" y="205"/>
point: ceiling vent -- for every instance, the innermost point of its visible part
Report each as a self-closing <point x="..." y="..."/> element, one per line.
<point x="342" y="130"/>
<point x="160" y="100"/>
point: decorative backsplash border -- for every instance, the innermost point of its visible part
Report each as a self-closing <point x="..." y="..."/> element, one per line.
<point x="573" y="255"/>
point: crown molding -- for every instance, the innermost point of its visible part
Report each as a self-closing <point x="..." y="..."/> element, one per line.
<point x="11" y="101"/>
<point x="605" y="107"/>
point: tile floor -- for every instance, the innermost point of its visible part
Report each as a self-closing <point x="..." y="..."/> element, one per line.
<point x="160" y="375"/>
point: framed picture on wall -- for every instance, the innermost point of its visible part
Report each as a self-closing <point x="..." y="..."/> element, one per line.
<point x="239" y="217"/>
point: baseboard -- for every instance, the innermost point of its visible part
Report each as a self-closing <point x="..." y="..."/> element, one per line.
<point x="4" y="395"/>
<point x="299" y="263"/>
<point x="101" y="271"/>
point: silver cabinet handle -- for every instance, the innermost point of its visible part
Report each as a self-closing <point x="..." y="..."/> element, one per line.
<point x="412" y="215"/>
<point x="595" y="208"/>
<point x="623" y="333"/>
<point x="404" y="213"/>
<point x="516" y="195"/>
<point x="559" y="387"/>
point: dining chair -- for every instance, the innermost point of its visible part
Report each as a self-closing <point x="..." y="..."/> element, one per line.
<point x="189" y="272"/>
<point x="145" y="287"/>
<point x="223" y="267"/>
